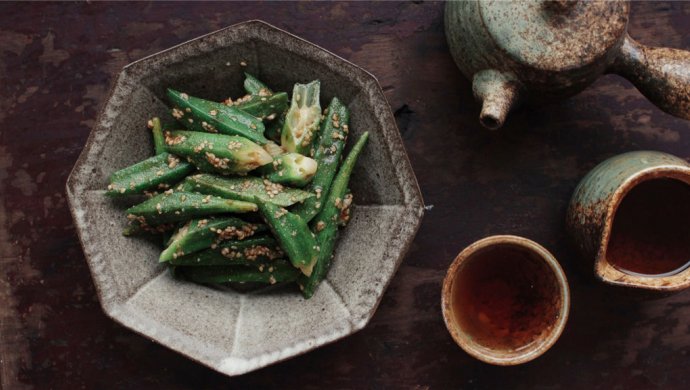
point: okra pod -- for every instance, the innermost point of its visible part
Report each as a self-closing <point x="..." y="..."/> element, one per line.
<point x="199" y="234"/>
<point x="252" y="251"/>
<point x="291" y="169"/>
<point x="282" y="272"/>
<point x="332" y="138"/>
<point x="326" y="222"/>
<point x="224" y="154"/>
<point x="187" y="186"/>
<point x="344" y="215"/>
<point x="274" y="149"/>
<point x="157" y="172"/>
<point x="302" y="119"/>
<point x="265" y="107"/>
<point x="212" y="117"/>
<point x="254" y="86"/>
<point x="293" y="234"/>
<point x="139" y="226"/>
<point x="181" y="206"/>
<point x="158" y="138"/>
<point x="245" y="188"/>
<point x="275" y="127"/>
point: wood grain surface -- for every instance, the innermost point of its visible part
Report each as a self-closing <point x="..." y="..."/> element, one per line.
<point x="57" y="61"/>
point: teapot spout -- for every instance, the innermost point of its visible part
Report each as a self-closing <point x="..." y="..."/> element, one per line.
<point x="499" y="92"/>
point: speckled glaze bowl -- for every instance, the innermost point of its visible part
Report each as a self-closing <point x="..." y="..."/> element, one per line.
<point x="596" y="200"/>
<point x="229" y="331"/>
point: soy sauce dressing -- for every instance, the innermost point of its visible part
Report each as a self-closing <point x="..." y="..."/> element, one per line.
<point x="506" y="298"/>
<point x="651" y="230"/>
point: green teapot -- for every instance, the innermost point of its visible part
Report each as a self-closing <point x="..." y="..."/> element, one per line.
<point x="536" y="50"/>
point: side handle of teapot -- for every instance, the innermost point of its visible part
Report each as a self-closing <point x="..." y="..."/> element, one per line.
<point x="661" y="74"/>
<point x="499" y="92"/>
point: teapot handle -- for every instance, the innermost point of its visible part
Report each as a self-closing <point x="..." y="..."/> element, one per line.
<point x="661" y="74"/>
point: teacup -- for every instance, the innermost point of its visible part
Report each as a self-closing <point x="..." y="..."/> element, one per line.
<point x="505" y="300"/>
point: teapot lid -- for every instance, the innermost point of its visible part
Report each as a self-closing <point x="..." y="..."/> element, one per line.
<point x="555" y="35"/>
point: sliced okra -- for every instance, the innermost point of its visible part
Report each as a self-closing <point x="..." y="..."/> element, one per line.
<point x="157" y="172"/>
<point x="254" y="86"/>
<point x="332" y="138"/>
<point x="293" y="234"/>
<point x="283" y="271"/>
<point x="224" y="154"/>
<point x="325" y="224"/>
<point x="199" y="234"/>
<point x="246" y="188"/>
<point x="139" y="226"/>
<point x="275" y="127"/>
<point x="251" y="251"/>
<point x="302" y="119"/>
<point x="181" y="206"/>
<point x="292" y="169"/>
<point x="265" y="107"/>
<point x="274" y="149"/>
<point x="344" y="215"/>
<point x="212" y="117"/>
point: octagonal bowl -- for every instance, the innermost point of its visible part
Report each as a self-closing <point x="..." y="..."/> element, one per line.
<point x="229" y="331"/>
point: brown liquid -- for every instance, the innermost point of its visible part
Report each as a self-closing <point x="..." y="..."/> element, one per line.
<point x="651" y="229"/>
<point x="506" y="298"/>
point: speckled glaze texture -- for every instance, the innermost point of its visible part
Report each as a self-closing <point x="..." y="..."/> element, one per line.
<point x="561" y="300"/>
<point x="661" y="74"/>
<point x="555" y="49"/>
<point x="232" y="332"/>
<point x="592" y="209"/>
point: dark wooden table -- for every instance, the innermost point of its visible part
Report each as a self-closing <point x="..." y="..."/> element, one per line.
<point x="57" y="61"/>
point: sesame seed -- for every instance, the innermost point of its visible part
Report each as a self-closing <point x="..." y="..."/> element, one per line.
<point x="177" y="113"/>
<point x="320" y="226"/>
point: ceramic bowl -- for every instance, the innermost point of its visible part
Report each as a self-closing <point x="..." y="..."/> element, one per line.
<point x="230" y="331"/>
